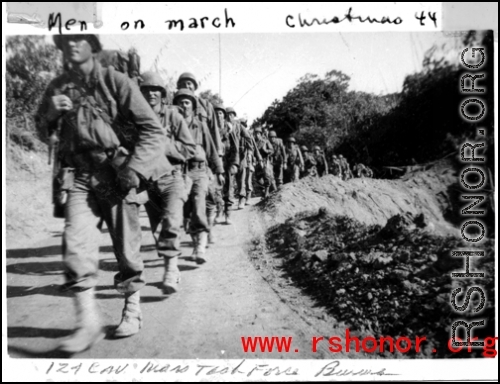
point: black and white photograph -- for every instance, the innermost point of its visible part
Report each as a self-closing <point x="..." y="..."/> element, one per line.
<point x="294" y="196"/>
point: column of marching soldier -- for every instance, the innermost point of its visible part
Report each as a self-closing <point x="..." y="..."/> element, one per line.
<point x="121" y="146"/>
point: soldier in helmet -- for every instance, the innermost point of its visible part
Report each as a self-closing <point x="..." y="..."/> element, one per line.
<point x="231" y="158"/>
<point x="346" y="169"/>
<point x="166" y="195"/>
<point x="266" y="150"/>
<point x="295" y="161"/>
<point x="321" y="163"/>
<point x="197" y="167"/>
<point x="309" y="163"/>
<point x="278" y="159"/>
<point x="103" y="171"/>
<point x="248" y="154"/>
<point x="206" y="114"/>
<point x="336" y="167"/>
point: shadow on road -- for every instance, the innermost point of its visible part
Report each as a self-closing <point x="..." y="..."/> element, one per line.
<point x="48" y="333"/>
<point x="19" y="353"/>
<point x="37" y="269"/>
<point x="34" y="252"/>
<point x="22" y="291"/>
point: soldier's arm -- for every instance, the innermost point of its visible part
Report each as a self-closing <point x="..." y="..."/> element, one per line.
<point x="184" y="142"/>
<point x="244" y="135"/>
<point x="255" y="149"/>
<point x="300" y="157"/>
<point x="214" y="126"/>
<point x="326" y="164"/>
<point x="234" y="149"/>
<point x="150" y="146"/>
<point x="270" y="148"/>
<point x="213" y="158"/>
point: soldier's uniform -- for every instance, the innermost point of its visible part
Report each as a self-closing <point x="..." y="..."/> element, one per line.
<point x="94" y="135"/>
<point x="167" y="195"/>
<point x="346" y="169"/>
<point x="336" y="167"/>
<point x="206" y="156"/>
<point x="231" y="160"/>
<point x="309" y="163"/>
<point x="247" y="159"/>
<point x="278" y="159"/>
<point x="266" y="151"/>
<point x="321" y="163"/>
<point x="206" y="114"/>
<point x="295" y="161"/>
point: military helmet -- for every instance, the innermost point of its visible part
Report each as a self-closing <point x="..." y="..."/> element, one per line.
<point x="291" y="140"/>
<point x="317" y="148"/>
<point x="272" y="134"/>
<point x="153" y="79"/>
<point x="304" y="149"/>
<point x="93" y="40"/>
<point x="187" y="76"/>
<point x="220" y="107"/>
<point x="257" y="129"/>
<point x="341" y="156"/>
<point x="231" y="110"/>
<point x="334" y="156"/>
<point x="184" y="92"/>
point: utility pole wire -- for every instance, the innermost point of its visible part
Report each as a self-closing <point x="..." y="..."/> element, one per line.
<point x="220" y="70"/>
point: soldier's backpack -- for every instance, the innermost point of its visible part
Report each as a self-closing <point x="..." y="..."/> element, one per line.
<point x="127" y="63"/>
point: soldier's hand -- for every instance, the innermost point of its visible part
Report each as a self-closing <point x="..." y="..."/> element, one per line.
<point x="128" y="179"/>
<point x="61" y="103"/>
<point x="233" y="170"/>
<point x="285" y="167"/>
<point x="220" y="176"/>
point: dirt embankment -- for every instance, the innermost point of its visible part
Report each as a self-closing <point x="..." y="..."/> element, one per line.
<point x="369" y="201"/>
<point x="375" y="255"/>
<point x="28" y="213"/>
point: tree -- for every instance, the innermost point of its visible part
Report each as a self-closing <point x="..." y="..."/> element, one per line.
<point x="214" y="98"/>
<point x="31" y="64"/>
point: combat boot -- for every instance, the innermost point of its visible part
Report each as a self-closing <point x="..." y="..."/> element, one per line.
<point x="200" y="252"/>
<point x="249" y="196"/>
<point x="228" y="216"/>
<point x="241" y="204"/>
<point x="219" y="216"/>
<point x="172" y="276"/>
<point x="89" y="329"/>
<point x="131" y="316"/>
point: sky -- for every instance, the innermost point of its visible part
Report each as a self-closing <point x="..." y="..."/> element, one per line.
<point x="251" y="70"/>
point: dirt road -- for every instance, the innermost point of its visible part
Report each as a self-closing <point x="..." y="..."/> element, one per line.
<point x="218" y="303"/>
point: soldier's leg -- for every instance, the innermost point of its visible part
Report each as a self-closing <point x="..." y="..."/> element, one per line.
<point x="81" y="260"/>
<point x="242" y="174"/>
<point x="211" y="205"/>
<point x="229" y="200"/>
<point x="278" y="175"/>
<point x="122" y="219"/>
<point x="249" y="183"/>
<point x="171" y="189"/>
<point x="199" y="223"/>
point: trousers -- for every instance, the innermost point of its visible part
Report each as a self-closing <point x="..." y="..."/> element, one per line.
<point x="195" y="207"/>
<point x="165" y="207"/>
<point x="84" y="209"/>
<point x="245" y="177"/>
